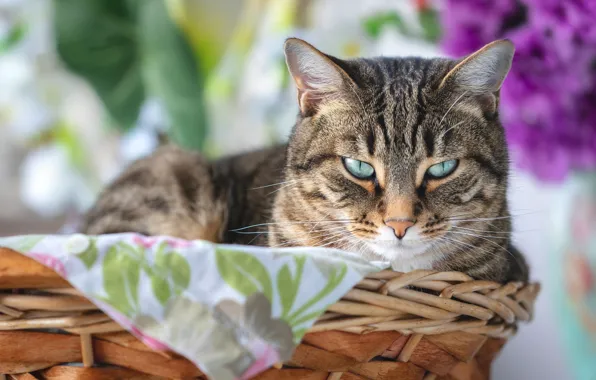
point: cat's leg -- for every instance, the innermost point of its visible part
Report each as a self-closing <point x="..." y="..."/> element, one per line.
<point x="168" y="193"/>
<point x="518" y="267"/>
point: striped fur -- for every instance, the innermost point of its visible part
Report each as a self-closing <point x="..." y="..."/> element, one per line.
<point x="400" y="115"/>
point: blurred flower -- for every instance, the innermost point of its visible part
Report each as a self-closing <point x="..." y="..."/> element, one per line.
<point x="77" y="244"/>
<point x="21" y="110"/>
<point x="51" y="262"/>
<point x="125" y="322"/>
<point x="49" y="185"/>
<point x="469" y="24"/>
<point x="256" y="318"/>
<point x="548" y="98"/>
<point x="149" y="242"/>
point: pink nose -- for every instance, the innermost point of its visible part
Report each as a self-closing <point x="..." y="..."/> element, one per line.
<point x="399" y="226"/>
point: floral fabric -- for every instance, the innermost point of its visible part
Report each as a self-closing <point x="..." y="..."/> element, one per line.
<point x="232" y="310"/>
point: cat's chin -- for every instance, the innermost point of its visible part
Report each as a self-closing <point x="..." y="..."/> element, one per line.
<point x="405" y="256"/>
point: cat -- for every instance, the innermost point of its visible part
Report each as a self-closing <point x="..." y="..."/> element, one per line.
<point x="397" y="159"/>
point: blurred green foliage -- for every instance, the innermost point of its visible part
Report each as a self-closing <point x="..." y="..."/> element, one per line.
<point x="13" y="37"/>
<point x="428" y="20"/>
<point x="374" y="24"/>
<point x="129" y="50"/>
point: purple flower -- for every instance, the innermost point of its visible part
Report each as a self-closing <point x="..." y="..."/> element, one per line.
<point x="548" y="99"/>
<point x="469" y="24"/>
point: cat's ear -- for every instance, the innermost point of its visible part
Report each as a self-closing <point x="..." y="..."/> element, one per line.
<point x="482" y="73"/>
<point x="318" y="79"/>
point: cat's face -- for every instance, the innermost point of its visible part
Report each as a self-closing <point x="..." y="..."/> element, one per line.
<point x="396" y="152"/>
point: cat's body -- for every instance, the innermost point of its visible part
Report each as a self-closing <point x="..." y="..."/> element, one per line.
<point x="396" y="159"/>
<point x="177" y="193"/>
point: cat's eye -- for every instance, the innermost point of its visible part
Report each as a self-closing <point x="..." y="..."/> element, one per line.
<point x="358" y="169"/>
<point x="442" y="169"/>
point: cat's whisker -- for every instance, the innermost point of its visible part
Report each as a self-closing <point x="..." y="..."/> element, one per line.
<point x="273" y="184"/>
<point x="488" y="240"/>
<point x="475" y="248"/>
<point x="289" y="223"/>
<point x="333" y="236"/>
<point x="492" y="218"/>
<point x="477" y="235"/>
<point x="444" y="133"/>
<point x="273" y="231"/>
<point x="316" y="224"/>
<point x="334" y="242"/>
<point x="466" y="245"/>
<point x="453" y="105"/>
<point x="338" y="234"/>
<point x="472" y="247"/>
<point x="326" y="236"/>
<point x="493" y="232"/>
<point x="253" y="239"/>
<point x="284" y="187"/>
<point x="479" y="230"/>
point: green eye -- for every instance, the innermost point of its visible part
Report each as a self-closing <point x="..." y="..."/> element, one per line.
<point x="442" y="169"/>
<point x="358" y="169"/>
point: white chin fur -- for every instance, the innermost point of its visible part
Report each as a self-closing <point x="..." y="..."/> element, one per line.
<point x="405" y="255"/>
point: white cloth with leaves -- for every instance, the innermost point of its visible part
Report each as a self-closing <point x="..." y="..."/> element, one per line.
<point x="232" y="310"/>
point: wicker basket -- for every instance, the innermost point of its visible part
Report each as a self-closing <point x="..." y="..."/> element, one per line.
<point x="452" y="328"/>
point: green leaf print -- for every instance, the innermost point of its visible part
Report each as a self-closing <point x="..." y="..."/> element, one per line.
<point x="173" y="265"/>
<point x="309" y="317"/>
<point x="161" y="289"/>
<point x="299" y="334"/>
<point x="121" y="273"/>
<point x="287" y="286"/>
<point x="243" y="272"/>
<point x="180" y="270"/>
<point x="22" y="244"/>
<point x="170" y="274"/>
<point x="335" y="278"/>
<point x="89" y="256"/>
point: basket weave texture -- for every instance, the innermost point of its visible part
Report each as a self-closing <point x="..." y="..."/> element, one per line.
<point x="421" y="325"/>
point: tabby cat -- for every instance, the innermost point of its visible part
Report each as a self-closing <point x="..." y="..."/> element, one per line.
<point x="399" y="159"/>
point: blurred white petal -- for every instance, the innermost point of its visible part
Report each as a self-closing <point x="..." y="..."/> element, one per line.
<point x="16" y="72"/>
<point x="153" y="116"/>
<point x="393" y="44"/>
<point x="25" y="116"/>
<point x="46" y="181"/>
<point x="137" y="143"/>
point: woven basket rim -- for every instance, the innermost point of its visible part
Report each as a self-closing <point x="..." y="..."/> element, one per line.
<point x="382" y="301"/>
<point x="383" y="307"/>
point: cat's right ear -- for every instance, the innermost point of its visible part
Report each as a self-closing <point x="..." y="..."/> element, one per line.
<point x="482" y="73"/>
<point x="318" y="79"/>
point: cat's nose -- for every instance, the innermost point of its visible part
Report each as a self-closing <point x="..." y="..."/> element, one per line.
<point x="399" y="226"/>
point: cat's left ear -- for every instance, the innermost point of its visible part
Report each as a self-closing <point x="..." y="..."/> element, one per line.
<point x="482" y="73"/>
<point x="318" y="79"/>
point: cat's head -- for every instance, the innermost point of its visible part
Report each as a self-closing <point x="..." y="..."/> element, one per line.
<point x="390" y="154"/>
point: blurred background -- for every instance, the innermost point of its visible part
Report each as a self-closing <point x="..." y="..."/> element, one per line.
<point x="86" y="86"/>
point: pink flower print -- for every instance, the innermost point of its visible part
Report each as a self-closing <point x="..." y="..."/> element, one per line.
<point x="123" y="321"/>
<point x="146" y="242"/>
<point x="178" y="243"/>
<point x="149" y="242"/>
<point x="266" y="357"/>
<point x="153" y="344"/>
<point x="50" y="262"/>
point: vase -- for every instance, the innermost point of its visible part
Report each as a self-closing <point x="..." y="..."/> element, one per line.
<point x="574" y="247"/>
